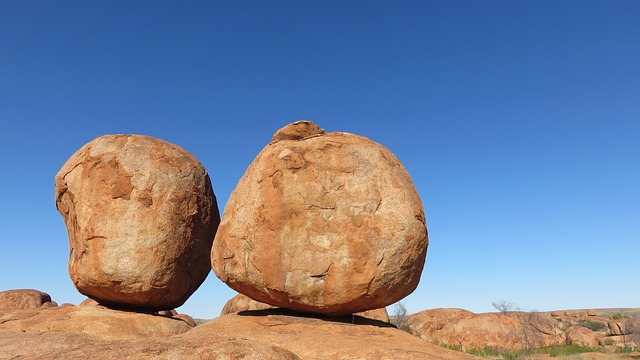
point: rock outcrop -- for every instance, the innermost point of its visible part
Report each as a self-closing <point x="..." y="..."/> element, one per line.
<point x="241" y="302"/>
<point x="94" y="321"/>
<point x="141" y="216"/>
<point x="93" y="331"/>
<point x="25" y="299"/>
<point x="323" y="223"/>
<point x="463" y="328"/>
<point x="579" y="335"/>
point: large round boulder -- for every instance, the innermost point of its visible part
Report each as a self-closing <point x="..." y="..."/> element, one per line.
<point x="141" y="216"/>
<point x="326" y="223"/>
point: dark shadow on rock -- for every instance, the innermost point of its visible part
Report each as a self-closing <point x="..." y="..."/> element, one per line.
<point x="345" y="319"/>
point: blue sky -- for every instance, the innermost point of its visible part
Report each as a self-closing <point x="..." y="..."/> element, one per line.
<point x="519" y="122"/>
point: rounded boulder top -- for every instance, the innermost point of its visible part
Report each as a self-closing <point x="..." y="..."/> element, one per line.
<point x="141" y="216"/>
<point x="322" y="222"/>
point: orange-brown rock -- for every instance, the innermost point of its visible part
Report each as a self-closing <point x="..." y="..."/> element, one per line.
<point x="64" y="345"/>
<point x="241" y="302"/>
<point x="317" y="337"/>
<point x="616" y="327"/>
<point x="244" y="303"/>
<point x="141" y="217"/>
<point x="268" y="334"/>
<point x="514" y="330"/>
<point x="579" y="335"/>
<point x="25" y="299"/>
<point x="375" y="314"/>
<point x="591" y="312"/>
<point x="326" y="223"/>
<point x="92" y="320"/>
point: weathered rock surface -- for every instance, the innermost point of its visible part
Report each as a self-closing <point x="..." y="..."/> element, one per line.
<point x="616" y="327"/>
<point x="92" y="320"/>
<point x="267" y="334"/>
<point x="241" y="302"/>
<point x="25" y="299"/>
<point x="141" y="216"/>
<point x="326" y="338"/>
<point x="325" y="223"/>
<point x="61" y="345"/>
<point x="375" y="314"/>
<point x="469" y="330"/>
<point x="579" y="335"/>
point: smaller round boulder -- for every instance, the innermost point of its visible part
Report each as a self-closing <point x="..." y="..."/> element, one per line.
<point x="21" y="299"/>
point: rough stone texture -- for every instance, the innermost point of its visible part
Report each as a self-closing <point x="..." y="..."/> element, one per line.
<point x="327" y="338"/>
<point x="375" y="314"/>
<point x="270" y="334"/>
<point x="241" y="302"/>
<point x="326" y="223"/>
<point x="61" y="345"/>
<point x="92" y="320"/>
<point x="141" y="216"/>
<point x="472" y="331"/>
<point x="579" y="335"/>
<point x="616" y="327"/>
<point x="25" y="299"/>
<point x="591" y="312"/>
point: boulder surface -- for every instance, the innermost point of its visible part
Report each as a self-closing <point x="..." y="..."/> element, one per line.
<point x="512" y="330"/>
<point x="24" y="299"/>
<point x="92" y="331"/>
<point x="241" y="302"/>
<point x="322" y="222"/>
<point x="141" y="216"/>
<point x="93" y="320"/>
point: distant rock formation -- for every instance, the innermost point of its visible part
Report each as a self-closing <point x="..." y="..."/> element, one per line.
<point x="21" y="299"/>
<point x="457" y="327"/>
<point x="322" y="222"/>
<point x="141" y="216"/>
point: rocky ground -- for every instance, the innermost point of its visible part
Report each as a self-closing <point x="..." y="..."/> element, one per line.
<point x="32" y="326"/>
<point x="30" y="330"/>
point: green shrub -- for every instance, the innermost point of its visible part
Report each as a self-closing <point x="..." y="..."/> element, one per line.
<point x="565" y="350"/>
<point x="626" y="349"/>
<point x="617" y="316"/>
<point x="554" y="351"/>
<point x="592" y="325"/>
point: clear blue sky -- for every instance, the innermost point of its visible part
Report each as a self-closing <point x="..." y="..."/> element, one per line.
<point x="519" y="122"/>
